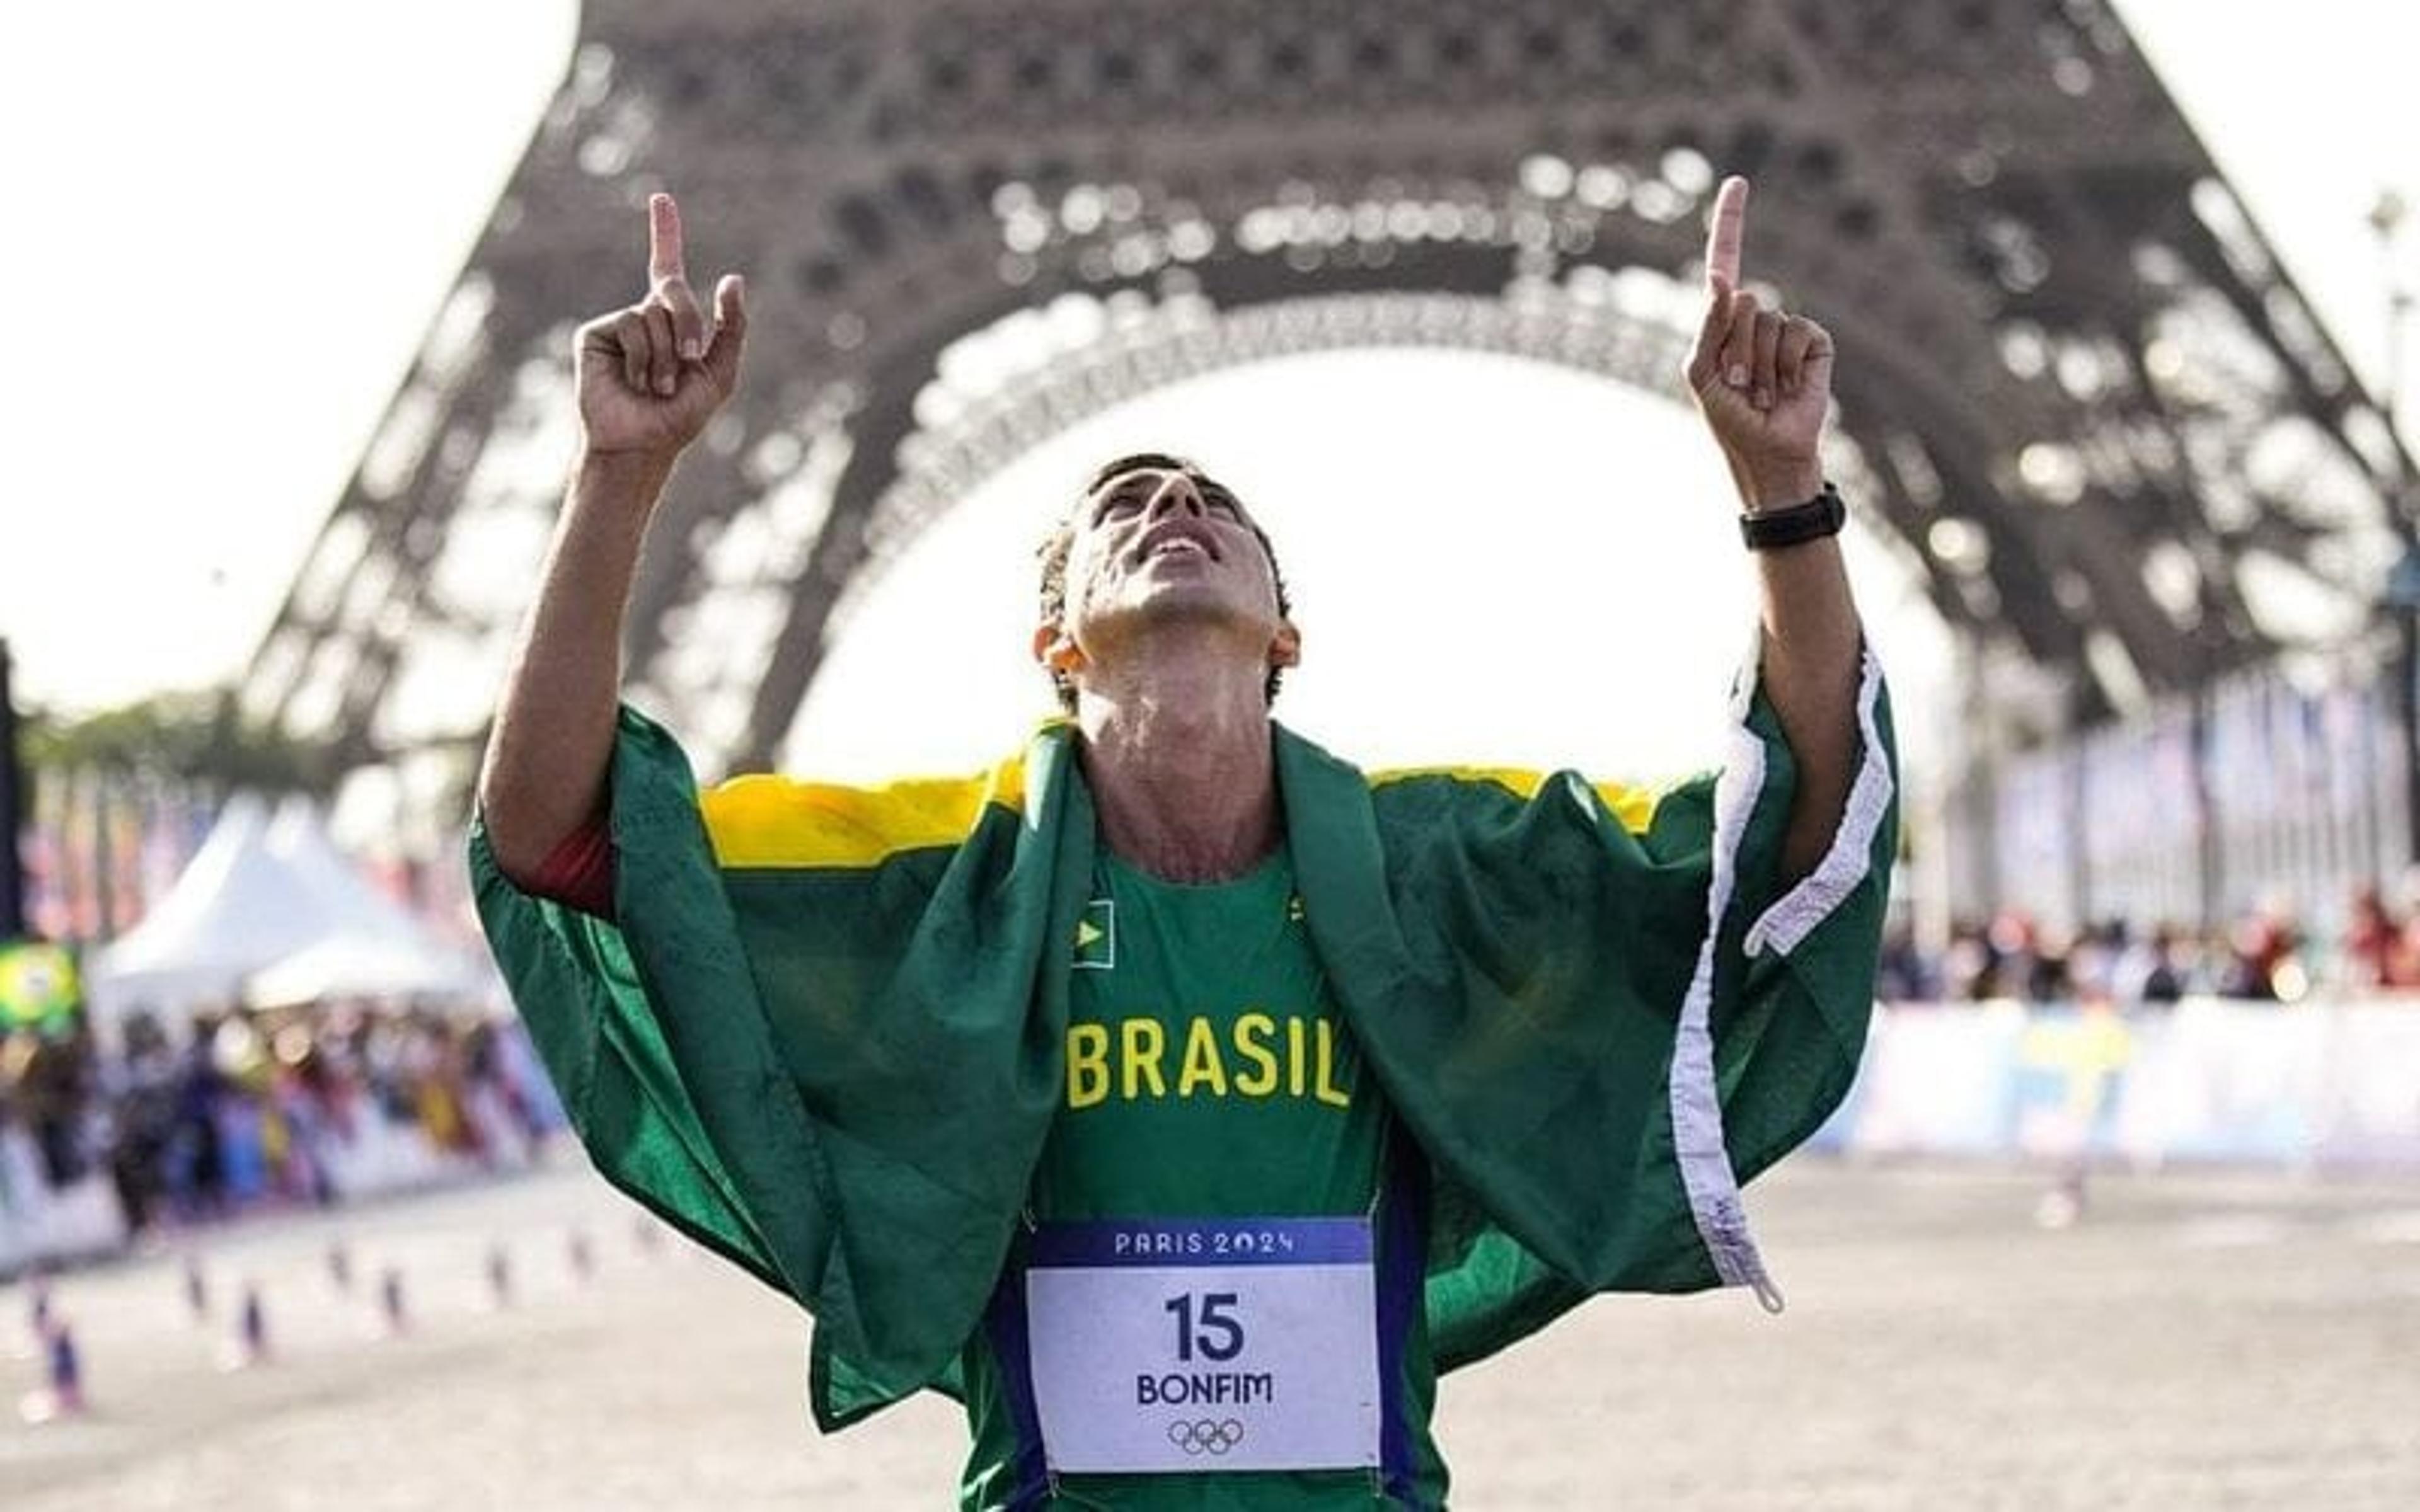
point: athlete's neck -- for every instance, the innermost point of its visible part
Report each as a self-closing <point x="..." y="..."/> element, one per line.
<point x="1181" y="769"/>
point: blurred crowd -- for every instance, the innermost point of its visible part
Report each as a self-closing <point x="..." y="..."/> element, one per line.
<point x="237" y="1112"/>
<point x="2266" y="955"/>
<point x="243" y="1111"/>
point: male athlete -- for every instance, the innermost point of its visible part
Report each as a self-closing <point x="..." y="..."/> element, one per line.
<point x="1177" y="1096"/>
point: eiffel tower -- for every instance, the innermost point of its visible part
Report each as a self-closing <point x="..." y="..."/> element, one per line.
<point x="2078" y="388"/>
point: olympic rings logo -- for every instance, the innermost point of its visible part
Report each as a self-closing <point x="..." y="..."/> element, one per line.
<point x="1205" y="1435"/>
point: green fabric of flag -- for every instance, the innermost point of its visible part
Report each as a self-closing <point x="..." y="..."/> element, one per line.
<point x="823" y="1036"/>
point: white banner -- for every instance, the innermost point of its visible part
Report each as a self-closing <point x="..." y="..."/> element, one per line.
<point x="2314" y="1084"/>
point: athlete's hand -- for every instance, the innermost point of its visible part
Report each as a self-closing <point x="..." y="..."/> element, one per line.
<point x="1761" y="379"/>
<point x="651" y="375"/>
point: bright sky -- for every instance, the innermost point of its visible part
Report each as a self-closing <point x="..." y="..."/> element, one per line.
<point x="234" y="222"/>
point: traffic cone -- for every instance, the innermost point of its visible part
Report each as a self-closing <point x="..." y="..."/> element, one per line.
<point x="250" y="1346"/>
<point x="39" y="1313"/>
<point x="500" y="1276"/>
<point x="197" y="1288"/>
<point x="398" y="1321"/>
<point x="65" y="1369"/>
<point x="61" y="1394"/>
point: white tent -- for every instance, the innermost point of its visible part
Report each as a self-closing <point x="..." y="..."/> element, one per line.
<point x="368" y="945"/>
<point x="269" y="911"/>
<point x="235" y="909"/>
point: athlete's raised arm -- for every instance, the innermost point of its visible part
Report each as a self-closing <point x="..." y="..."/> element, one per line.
<point x="649" y="377"/>
<point x="1763" y="381"/>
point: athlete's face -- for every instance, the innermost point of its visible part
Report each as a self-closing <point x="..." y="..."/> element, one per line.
<point x="1157" y="545"/>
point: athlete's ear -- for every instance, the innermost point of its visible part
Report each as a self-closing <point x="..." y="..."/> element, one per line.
<point x="1286" y="649"/>
<point x="1054" y="649"/>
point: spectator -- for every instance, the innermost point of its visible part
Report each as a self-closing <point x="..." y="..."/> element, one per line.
<point x="2379" y="949"/>
<point x="1904" y="974"/>
<point x="2263" y="964"/>
<point x="2146" y="971"/>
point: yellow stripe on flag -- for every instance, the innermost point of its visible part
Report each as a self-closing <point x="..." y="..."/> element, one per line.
<point x="1632" y="804"/>
<point x="765" y="822"/>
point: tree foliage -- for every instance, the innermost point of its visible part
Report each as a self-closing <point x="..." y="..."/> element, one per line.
<point x="195" y="737"/>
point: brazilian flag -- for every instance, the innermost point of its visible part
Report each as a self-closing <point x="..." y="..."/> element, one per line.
<point x="39" y="987"/>
<point x="822" y="1033"/>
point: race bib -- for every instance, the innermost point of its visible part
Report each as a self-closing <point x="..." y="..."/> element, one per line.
<point x="1205" y="1344"/>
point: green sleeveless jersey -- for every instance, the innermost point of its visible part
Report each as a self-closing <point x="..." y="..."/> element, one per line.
<point x="1209" y="1074"/>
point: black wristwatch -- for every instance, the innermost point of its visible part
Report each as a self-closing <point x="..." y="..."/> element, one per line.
<point x="1770" y="530"/>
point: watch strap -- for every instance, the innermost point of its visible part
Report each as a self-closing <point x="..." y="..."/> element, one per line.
<point x="1771" y="529"/>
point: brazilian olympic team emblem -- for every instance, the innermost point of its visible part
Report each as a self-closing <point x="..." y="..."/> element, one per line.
<point x="1097" y="935"/>
<point x="1214" y="1436"/>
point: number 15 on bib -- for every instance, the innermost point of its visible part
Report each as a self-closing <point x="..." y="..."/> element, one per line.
<point x="1216" y="1344"/>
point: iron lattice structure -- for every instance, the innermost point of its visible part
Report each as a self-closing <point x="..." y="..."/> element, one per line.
<point x="2077" y="389"/>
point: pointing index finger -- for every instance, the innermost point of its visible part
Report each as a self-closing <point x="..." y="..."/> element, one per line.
<point x="665" y="262"/>
<point x="1725" y="232"/>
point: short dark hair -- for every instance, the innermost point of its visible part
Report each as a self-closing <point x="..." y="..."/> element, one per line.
<point x="1053" y="553"/>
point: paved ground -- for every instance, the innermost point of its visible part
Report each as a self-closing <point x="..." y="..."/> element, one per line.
<point x="2196" y="1341"/>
